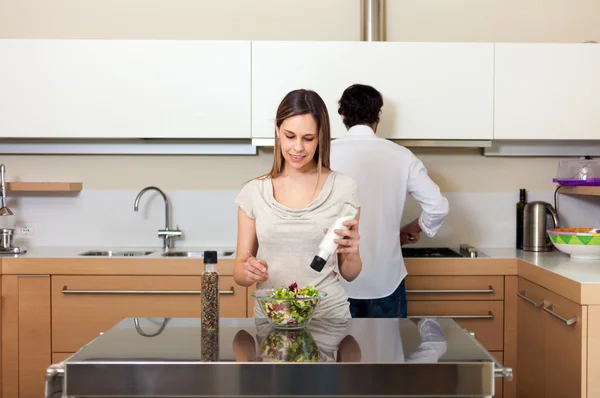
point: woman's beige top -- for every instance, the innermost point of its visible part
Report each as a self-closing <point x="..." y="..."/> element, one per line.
<point x="288" y="238"/>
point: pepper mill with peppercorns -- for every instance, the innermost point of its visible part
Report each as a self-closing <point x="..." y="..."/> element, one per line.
<point x="210" y="292"/>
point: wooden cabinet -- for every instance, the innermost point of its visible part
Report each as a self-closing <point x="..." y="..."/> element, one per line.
<point x="26" y="342"/>
<point x="464" y="287"/>
<point x="551" y="344"/>
<point x="430" y="90"/>
<point x="84" y="306"/>
<point x="124" y="89"/>
<point x="474" y="302"/>
<point x="484" y="318"/>
<point x="546" y="91"/>
<point x="530" y="340"/>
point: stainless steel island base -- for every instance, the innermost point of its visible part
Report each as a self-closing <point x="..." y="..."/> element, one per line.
<point x="248" y="358"/>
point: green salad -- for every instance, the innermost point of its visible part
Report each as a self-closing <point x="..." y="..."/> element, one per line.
<point x="289" y="312"/>
<point x="290" y="346"/>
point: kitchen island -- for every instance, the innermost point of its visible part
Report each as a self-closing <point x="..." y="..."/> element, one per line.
<point x="248" y="358"/>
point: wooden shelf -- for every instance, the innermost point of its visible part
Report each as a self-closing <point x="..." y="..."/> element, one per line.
<point x="44" y="186"/>
<point x="594" y="191"/>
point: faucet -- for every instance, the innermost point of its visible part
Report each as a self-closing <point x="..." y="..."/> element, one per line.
<point x="167" y="234"/>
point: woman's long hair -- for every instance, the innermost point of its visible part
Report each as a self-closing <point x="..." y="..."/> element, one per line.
<point x="303" y="102"/>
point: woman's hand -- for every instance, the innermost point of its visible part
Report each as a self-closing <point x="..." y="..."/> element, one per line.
<point x="255" y="270"/>
<point x="351" y="240"/>
<point x="349" y="261"/>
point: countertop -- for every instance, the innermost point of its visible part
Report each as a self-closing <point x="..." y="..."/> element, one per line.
<point x="578" y="280"/>
<point x="402" y="354"/>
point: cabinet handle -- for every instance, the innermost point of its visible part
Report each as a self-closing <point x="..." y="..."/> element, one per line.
<point x="507" y="373"/>
<point x="67" y="291"/>
<point x="568" y="322"/>
<point x="490" y="290"/>
<point x="536" y="304"/>
<point x="163" y="325"/>
<point x="488" y="316"/>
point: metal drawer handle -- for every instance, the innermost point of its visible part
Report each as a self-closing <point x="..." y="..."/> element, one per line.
<point x="488" y="316"/>
<point x="66" y="291"/>
<point x="568" y="322"/>
<point x="163" y="325"/>
<point x="499" y="369"/>
<point x="536" y="304"/>
<point x="490" y="290"/>
<point x="507" y="373"/>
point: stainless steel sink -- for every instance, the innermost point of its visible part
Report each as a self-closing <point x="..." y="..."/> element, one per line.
<point x="110" y="253"/>
<point x="180" y="253"/>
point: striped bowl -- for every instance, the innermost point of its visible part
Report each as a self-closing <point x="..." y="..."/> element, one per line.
<point x="579" y="243"/>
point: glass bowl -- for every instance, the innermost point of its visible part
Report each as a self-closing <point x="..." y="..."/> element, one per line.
<point x="287" y="313"/>
<point x="290" y="346"/>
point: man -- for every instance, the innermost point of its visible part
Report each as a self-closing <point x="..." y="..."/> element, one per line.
<point x="385" y="173"/>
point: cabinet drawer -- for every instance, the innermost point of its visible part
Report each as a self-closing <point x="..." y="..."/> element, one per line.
<point x="84" y="306"/>
<point x="484" y="318"/>
<point x="455" y="287"/>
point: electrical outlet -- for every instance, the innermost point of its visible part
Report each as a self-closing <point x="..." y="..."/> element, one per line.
<point x="26" y="231"/>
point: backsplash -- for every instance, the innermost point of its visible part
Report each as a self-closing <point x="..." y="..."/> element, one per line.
<point x="208" y="218"/>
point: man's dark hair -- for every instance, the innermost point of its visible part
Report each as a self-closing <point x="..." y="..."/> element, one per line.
<point x="360" y="104"/>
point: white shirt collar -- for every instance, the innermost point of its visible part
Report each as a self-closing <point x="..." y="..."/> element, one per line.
<point x="360" y="129"/>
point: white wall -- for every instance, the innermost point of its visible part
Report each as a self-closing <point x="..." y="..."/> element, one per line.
<point x="482" y="190"/>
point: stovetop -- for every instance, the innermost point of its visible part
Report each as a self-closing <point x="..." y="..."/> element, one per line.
<point x="408" y="252"/>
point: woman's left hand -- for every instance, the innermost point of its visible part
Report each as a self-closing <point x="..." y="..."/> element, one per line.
<point x="350" y="239"/>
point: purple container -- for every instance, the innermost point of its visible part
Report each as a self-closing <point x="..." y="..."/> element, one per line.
<point x="590" y="182"/>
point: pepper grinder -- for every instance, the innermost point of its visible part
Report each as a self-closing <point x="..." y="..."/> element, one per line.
<point x="210" y="292"/>
<point x="210" y="308"/>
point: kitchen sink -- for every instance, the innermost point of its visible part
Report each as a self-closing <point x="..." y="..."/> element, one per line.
<point x="110" y="253"/>
<point x="179" y="253"/>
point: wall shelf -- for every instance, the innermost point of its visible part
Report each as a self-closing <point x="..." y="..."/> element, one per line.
<point x="44" y="186"/>
<point x="590" y="190"/>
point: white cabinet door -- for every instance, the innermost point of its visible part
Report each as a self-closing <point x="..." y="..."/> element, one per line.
<point x="547" y="91"/>
<point x="431" y="90"/>
<point x="124" y="89"/>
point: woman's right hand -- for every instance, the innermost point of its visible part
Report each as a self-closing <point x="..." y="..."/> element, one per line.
<point x="255" y="270"/>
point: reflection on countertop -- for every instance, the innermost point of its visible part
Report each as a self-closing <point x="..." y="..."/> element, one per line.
<point x="330" y="357"/>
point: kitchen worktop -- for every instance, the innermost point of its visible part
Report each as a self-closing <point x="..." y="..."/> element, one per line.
<point x="175" y="356"/>
<point x="578" y="280"/>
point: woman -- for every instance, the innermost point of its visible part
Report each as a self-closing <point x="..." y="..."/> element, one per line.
<point x="282" y="215"/>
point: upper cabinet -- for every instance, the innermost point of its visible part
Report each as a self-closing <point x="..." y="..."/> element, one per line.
<point x="547" y="91"/>
<point x="124" y="89"/>
<point x="431" y="90"/>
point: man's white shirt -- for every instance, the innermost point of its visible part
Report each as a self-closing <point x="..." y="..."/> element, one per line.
<point x="385" y="173"/>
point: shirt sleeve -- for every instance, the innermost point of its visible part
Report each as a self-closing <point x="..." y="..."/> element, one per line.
<point x="434" y="205"/>
<point x="245" y="199"/>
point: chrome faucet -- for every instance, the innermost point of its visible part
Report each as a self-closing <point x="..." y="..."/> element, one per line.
<point x="167" y="234"/>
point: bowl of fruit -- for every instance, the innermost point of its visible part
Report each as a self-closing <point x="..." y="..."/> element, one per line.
<point x="289" y="307"/>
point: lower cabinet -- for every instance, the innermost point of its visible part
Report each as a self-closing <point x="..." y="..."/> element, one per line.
<point x="84" y="306"/>
<point x="26" y="349"/>
<point x="484" y="318"/>
<point x="551" y="344"/>
<point x="46" y="319"/>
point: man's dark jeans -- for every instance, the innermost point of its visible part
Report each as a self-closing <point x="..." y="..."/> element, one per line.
<point x="392" y="306"/>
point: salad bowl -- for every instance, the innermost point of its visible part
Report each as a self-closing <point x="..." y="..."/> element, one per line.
<point x="290" y="346"/>
<point x="289" y="307"/>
